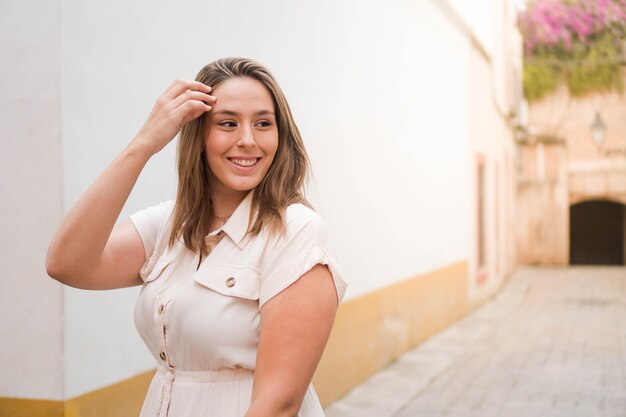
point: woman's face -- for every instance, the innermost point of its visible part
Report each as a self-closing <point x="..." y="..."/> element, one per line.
<point x="242" y="135"/>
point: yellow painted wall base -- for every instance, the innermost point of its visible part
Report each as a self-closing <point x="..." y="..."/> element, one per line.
<point x="123" y="399"/>
<point x="22" y="407"/>
<point x="369" y="333"/>
<point x="373" y="330"/>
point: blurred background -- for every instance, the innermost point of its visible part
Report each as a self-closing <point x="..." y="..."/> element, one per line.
<point x="453" y="143"/>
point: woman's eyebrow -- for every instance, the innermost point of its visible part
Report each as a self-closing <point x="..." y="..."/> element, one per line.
<point x="234" y="113"/>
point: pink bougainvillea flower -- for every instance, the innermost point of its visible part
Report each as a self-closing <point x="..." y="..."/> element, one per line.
<point x="551" y="23"/>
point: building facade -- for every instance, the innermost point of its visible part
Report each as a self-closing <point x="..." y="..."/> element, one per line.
<point x="572" y="189"/>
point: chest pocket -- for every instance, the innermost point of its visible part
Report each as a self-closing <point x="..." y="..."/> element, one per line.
<point x="230" y="280"/>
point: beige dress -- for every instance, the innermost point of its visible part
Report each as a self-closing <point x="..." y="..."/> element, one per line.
<point x="202" y="326"/>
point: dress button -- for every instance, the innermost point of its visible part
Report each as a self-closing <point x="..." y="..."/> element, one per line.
<point x="230" y="282"/>
<point x="162" y="355"/>
<point x="161" y="308"/>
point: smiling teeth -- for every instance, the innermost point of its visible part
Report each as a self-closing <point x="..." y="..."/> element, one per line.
<point x="244" y="162"/>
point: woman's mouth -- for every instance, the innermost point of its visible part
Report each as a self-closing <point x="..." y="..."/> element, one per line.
<point x="244" y="164"/>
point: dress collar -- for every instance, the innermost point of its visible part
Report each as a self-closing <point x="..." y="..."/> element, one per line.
<point x="237" y="224"/>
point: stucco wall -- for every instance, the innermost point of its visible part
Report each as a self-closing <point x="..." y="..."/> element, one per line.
<point x="569" y="168"/>
<point x="31" y="327"/>
<point x="389" y="98"/>
<point x="375" y="122"/>
<point x="493" y="67"/>
<point x="491" y="146"/>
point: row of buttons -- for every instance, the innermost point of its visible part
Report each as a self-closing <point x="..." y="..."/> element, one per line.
<point x="160" y="311"/>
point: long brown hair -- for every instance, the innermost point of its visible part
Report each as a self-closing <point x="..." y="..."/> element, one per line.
<point x="282" y="185"/>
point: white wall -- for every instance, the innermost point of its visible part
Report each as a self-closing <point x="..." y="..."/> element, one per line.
<point x="380" y="91"/>
<point x="31" y="322"/>
<point x="380" y="94"/>
<point x="481" y="17"/>
<point x="492" y="100"/>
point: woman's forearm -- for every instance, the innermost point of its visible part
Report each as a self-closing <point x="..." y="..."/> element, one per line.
<point x="80" y="239"/>
<point x="272" y="408"/>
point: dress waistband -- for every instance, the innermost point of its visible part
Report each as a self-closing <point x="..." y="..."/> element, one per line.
<point x="207" y="376"/>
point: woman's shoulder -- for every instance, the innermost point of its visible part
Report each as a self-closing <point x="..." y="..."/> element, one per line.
<point x="298" y="215"/>
<point x="167" y="206"/>
<point x="303" y="223"/>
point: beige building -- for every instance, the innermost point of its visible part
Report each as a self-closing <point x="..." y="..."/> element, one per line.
<point x="572" y="184"/>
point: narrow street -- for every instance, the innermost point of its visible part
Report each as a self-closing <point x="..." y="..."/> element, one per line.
<point x="552" y="342"/>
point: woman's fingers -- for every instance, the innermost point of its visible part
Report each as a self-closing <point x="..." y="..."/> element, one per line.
<point x="180" y="86"/>
<point x="193" y="95"/>
<point x="192" y="109"/>
<point x="182" y="102"/>
<point x="192" y="104"/>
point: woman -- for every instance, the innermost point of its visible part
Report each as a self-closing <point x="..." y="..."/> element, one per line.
<point x="240" y="287"/>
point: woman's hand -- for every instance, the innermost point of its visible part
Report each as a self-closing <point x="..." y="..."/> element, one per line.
<point x="181" y="102"/>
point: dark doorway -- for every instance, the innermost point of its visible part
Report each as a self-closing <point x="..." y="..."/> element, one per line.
<point x="597" y="233"/>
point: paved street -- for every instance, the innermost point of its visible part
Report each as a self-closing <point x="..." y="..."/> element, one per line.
<point x="551" y="343"/>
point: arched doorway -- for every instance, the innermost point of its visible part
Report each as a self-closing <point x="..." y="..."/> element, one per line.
<point x="597" y="233"/>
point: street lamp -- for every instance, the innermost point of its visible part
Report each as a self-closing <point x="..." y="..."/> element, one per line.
<point x="598" y="130"/>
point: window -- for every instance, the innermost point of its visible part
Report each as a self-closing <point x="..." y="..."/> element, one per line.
<point x="482" y="219"/>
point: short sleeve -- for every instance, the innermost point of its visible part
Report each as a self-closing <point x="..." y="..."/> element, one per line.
<point x="305" y="244"/>
<point x="151" y="224"/>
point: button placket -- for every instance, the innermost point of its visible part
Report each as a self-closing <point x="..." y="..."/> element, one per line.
<point x="160" y="329"/>
<point x="164" y="327"/>
<point x="164" y="293"/>
<point x="165" y="357"/>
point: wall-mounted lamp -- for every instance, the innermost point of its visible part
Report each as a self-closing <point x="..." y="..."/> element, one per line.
<point x="598" y="135"/>
<point x="598" y="130"/>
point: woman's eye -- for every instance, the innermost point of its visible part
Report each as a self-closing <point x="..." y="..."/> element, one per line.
<point x="228" y="123"/>
<point x="264" y="123"/>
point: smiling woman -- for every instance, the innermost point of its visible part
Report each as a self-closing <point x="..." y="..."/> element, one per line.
<point x="239" y="281"/>
<point x="242" y="137"/>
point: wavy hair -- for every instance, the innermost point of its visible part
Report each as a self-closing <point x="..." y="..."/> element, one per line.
<point x="282" y="185"/>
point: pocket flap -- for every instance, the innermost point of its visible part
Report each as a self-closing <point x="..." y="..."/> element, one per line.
<point x="230" y="280"/>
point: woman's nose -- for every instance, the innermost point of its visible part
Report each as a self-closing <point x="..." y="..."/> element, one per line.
<point x="247" y="135"/>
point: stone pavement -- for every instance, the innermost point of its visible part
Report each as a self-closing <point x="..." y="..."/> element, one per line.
<point x="551" y="343"/>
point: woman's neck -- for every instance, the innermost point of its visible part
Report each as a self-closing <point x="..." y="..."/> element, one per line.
<point x="224" y="205"/>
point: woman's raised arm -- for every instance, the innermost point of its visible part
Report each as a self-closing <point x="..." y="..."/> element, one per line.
<point x="88" y="250"/>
